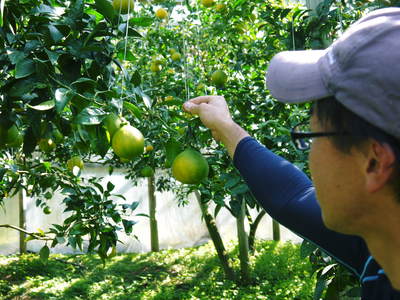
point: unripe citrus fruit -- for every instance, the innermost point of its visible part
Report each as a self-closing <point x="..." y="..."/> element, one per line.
<point x="47" y="210"/>
<point x="14" y="138"/>
<point x="176" y="56"/>
<point x="155" y="67"/>
<point x="75" y="161"/>
<point x="169" y="98"/>
<point x="149" y="148"/>
<point x="219" y="78"/>
<point x="147" y="171"/>
<point x="112" y="123"/>
<point x="172" y="51"/>
<point x="46" y="145"/>
<point x="123" y="5"/>
<point x="128" y="142"/>
<point x="190" y="167"/>
<point x="207" y="3"/>
<point x="161" y="13"/>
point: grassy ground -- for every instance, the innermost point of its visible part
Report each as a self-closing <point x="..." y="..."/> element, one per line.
<point x="192" y="273"/>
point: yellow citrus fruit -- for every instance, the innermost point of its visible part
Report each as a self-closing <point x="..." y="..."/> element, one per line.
<point x="190" y="167"/>
<point x="46" y="145"/>
<point x="161" y="13"/>
<point x="220" y="7"/>
<point x="176" y="56"/>
<point x="123" y="6"/>
<point x="147" y="171"/>
<point x="75" y="161"/>
<point x="207" y="3"/>
<point x="169" y="98"/>
<point x="149" y="148"/>
<point x="219" y="78"/>
<point x="128" y="142"/>
<point x="172" y="51"/>
<point x="112" y="123"/>
<point x="155" y="67"/>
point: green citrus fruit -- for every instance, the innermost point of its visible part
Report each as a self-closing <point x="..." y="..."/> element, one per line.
<point x="149" y="148"/>
<point x="172" y="51"/>
<point x="123" y="5"/>
<point x="47" y="210"/>
<point x="219" y="78"/>
<point x="112" y="123"/>
<point x="75" y="161"/>
<point x="46" y="145"/>
<point x="128" y="142"/>
<point x="161" y="13"/>
<point x="155" y="67"/>
<point x="190" y="167"/>
<point x="147" y="171"/>
<point x="14" y="138"/>
<point x="207" y="3"/>
<point x="176" y="56"/>
<point x="220" y="7"/>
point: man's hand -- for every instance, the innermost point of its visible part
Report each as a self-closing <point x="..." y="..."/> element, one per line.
<point x="214" y="113"/>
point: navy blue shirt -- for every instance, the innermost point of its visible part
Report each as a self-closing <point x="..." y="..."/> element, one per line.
<point x="288" y="196"/>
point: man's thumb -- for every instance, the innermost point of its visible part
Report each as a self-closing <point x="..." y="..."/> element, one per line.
<point x="191" y="107"/>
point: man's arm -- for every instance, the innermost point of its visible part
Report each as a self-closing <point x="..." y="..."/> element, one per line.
<point x="282" y="190"/>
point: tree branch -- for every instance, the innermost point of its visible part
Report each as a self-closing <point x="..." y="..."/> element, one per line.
<point x="35" y="235"/>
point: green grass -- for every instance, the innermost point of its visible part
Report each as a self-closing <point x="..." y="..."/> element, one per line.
<point x="191" y="273"/>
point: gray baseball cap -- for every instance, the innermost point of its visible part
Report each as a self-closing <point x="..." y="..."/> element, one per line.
<point x="361" y="70"/>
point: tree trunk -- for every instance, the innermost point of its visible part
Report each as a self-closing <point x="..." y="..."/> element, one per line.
<point x="276" y="231"/>
<point x="216" y="238"/>
<point x="152" y="214"/>
<point x="243" y="244"/>
<point x="22" y="222"/>
<point x="253" y="229"/>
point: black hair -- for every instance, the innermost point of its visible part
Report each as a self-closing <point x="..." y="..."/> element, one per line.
<point x="335" y="116"/>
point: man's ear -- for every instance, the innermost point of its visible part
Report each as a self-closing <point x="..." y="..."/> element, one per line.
<point x="380" y="166"/>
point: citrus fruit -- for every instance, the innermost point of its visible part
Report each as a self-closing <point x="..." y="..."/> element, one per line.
<point x="112" y="123"/>
<point x="14" y="138"/>
<point x="75" y="161"/>
<point x="155" y="67"/>
<point x="128" y="142"/>
<point x="172" y="51"/>
<point x="46" y="145"/>
<point x="47" y="210"/>
<point x="161" y="13"/>
<point x="176" y="56"/>
<point x="207" y="3"/>
<point x="190" y="167"/>
<point x="220" y="7"/>
<point x="169" y="98"/>
<point x="123" y="6"/>
<point x="147" y="171"/>
<point x="219" y="78"/>
<point x="149" y="148"/>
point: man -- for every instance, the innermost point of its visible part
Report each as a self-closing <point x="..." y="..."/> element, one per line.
<point x="353" y="209"/>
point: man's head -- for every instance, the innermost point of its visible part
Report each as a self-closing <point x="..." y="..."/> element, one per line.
<point x="356" y="86"/>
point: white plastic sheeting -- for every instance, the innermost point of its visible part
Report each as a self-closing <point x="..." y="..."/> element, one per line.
<point x="177" y="226"/>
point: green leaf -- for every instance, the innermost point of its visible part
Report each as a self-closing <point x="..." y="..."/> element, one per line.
<point x="128" y="224"/>
<point x="24" y="68"/>
<point x="136" y="78"/>
<point x="240" y="189"/>
<point x="131" y="32"/>
<point x="2" y="12"/>
<point x="47" y="105"/>
<point x="16" y="56"/>
<point x="53" y="56"/>
<point x="172" y="149"/>
<point x="62" y="96"/>
<point x="105" y="8"/>
<point x="141" y="21"/>
<point x="110" y="186"/>
<point x="55" y="34"/>
<point x="90" y="116"/>
<point x="133" y="108"/>
<point x="44" y="254"/>
<point x="134" y="205"/>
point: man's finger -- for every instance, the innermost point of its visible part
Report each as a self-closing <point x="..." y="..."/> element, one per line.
<point x="191" y="107"/>
<point x="201" y="99"/>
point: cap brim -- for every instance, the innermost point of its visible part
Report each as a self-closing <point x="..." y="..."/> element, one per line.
<point x="294" y="76"/>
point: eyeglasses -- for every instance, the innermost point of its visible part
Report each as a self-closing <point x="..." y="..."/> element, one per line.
<point x="302" y="136"/>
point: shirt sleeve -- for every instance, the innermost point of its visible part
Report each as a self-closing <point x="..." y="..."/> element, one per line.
<point x="288" y="196"/>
